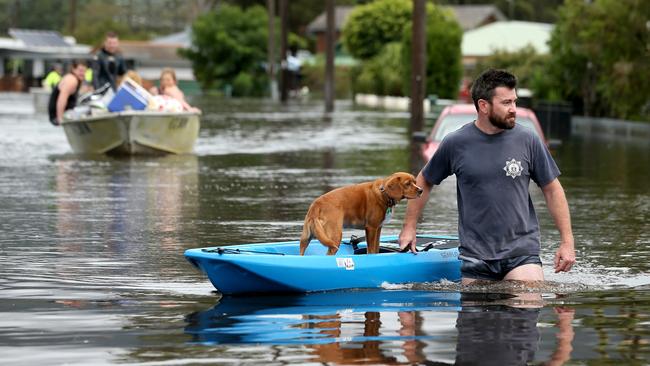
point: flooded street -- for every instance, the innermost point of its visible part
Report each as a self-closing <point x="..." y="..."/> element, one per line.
<point x="92" y="268"/>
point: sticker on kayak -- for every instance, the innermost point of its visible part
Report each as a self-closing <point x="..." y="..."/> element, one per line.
<point x="347" y="263"/>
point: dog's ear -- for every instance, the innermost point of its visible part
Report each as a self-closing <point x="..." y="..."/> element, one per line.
<point x="393" y="187"/>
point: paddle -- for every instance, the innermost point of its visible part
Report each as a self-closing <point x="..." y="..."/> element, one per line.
<point x="237" y="251"/>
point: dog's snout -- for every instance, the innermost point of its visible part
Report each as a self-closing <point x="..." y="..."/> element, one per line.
<point x="420" y="191"/>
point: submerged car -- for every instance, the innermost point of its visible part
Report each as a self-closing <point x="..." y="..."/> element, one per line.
<point x="455" y="116"/>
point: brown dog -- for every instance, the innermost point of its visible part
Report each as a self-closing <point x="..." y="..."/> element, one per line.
<point x="360" y="206"/>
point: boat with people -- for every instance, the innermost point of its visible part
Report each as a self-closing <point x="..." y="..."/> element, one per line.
<point x="133" y="132"/>
<point x="278" y="267"/>
<point x="131" y="122"/>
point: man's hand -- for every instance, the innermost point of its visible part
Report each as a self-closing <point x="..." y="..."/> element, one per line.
<point x="407" y="239"/>
<point x="413" y="210"/>
<point x="565" y="257"/>
<point x="558" y="207"/>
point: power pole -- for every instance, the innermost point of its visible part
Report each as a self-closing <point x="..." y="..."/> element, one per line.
<point x="273" y="82"/>
<point x="418" y="77"/>
<point x="284" y="73"/>
<point x="330" y="35"/>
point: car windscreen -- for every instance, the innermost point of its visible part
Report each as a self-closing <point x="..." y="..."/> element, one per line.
<point x="452" y="122"/>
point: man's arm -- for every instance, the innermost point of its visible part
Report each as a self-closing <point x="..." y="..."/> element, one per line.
<point x="558" y="207"/>
<point x="96" y="66"/>
<point x="121" y="67"/>
<point x="564" y="337"/>
<point x="413" y="211"/>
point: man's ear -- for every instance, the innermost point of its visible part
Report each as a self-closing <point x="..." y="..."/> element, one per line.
<point x="483" y="106"/>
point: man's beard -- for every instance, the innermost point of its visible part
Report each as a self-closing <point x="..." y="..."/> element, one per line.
<point x="502" y="123"/>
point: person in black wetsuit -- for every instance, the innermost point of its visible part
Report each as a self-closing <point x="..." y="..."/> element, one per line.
<point x="64" y="94"/>
<point x="108" y="64"/>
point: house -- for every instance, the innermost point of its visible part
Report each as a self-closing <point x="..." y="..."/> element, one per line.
<point x="468" y="16"/>
<point x="27" y="56"/>
<point x="318" y="26"/>
<point x="508" y="36"/>
<point x="474" y="16"/>
<point x="150" y="57"/>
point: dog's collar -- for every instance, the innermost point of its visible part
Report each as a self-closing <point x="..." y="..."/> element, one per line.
<point x="391" y="201"/>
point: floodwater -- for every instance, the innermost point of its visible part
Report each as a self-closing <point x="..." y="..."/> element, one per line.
<point x="92" y="268"/>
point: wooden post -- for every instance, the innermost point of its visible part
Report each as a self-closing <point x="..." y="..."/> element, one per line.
<point x="273" y="82"/>
<point x="418" y="77"/>
<point x="330" y="40"/>
<point x="284" y="74"/>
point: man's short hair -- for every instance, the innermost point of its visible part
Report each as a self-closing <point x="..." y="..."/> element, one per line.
<point x="111" y="34"/>
<point x="484" y="85"/>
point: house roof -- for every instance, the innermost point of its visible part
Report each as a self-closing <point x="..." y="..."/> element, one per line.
<point x="319" y="24"/>
<point x="32" y="43"/>
<point x="150" y="54"/>
<point x="506" y="35"/>
<point x="472" y="16"/>
<point x="38" y="38"/>
<point x="468" y="16"/>
<point x="181" y="39"/>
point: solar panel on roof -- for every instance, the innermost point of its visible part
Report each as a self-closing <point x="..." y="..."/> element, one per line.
<point x="38" y="38"/>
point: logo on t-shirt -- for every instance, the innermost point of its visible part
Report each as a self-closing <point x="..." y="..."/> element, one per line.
<point x="513" y="168"/>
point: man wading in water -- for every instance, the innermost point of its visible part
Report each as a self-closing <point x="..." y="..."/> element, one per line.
<point x="494" y="159"/>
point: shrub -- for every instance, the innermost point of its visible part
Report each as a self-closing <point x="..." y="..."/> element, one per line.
<point x="388" y="70"/>
<point x="229" y="48"/>
<point x="444" y="66"/>
<point x="369" y="27"/>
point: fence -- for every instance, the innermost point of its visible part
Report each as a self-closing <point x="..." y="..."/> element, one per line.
<point x="555" y="118"/>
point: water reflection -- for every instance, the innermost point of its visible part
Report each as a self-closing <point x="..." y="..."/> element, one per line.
<point x="91" y="248"/>
<point x="158" y="194"/>
<point x="388" y="327"/>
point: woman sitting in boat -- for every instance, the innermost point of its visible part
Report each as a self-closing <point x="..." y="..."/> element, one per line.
<point x="168" y="93"/>
<point x="64" y="94"/>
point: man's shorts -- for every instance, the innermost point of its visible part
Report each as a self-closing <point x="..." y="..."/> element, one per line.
<point x="494" y="270"/>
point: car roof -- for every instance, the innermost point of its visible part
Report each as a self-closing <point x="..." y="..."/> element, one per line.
<point x="470" y="109"/>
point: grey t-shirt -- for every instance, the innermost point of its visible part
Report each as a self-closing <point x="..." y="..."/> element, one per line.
<point x="496" y="218"/>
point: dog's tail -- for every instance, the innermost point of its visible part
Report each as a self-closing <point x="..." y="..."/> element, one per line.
<point x="306" y="236"/>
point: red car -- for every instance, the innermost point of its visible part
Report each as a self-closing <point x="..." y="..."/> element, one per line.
<point x="455" y="116"/>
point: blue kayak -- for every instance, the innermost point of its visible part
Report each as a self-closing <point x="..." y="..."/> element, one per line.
<point x="278" y="268"/>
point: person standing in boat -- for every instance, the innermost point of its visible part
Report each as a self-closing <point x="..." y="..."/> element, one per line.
<point x="108" y="64"/>
<point x="494" y="160"/>
<point x="65" y="93"/>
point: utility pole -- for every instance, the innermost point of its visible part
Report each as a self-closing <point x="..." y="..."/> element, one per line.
<point x="273" y="82"/>
<point x="418" y="77"/>
<point x="330" y="35"/>
<point x="284" y="72"/>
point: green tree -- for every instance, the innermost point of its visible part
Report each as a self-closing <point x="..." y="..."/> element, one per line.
<point x="229" y="48"/>
<point x="527" y="64"/>
<point x="444" y="65"/>
<point x="544" y="11"/>
<point x="98" y="17"/>
<point x="32" y="14"/>
<point x="369" y="27"/>
<point x="388" y="69"/>
<point x="382" y="74"/>
<point x="599" y="54"/>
